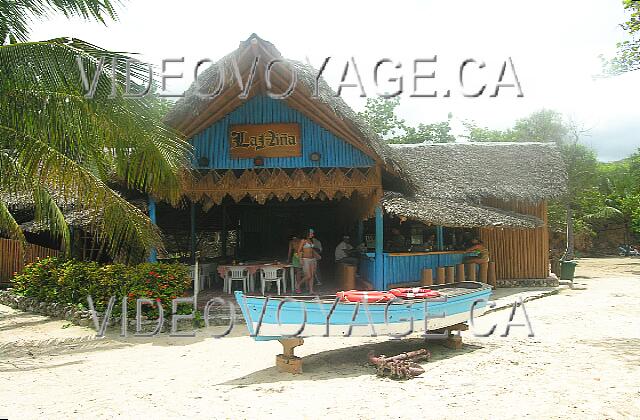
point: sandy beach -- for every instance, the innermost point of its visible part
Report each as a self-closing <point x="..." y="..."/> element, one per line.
<point x="583" y="362"/>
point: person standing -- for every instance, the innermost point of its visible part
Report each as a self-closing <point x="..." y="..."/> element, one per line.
<point x="342" y="253"/>
<point x="397" y="242"/>
<point x="478" y="247"/>
<point x="294" y="258"/>
<point x="309" y="261"/>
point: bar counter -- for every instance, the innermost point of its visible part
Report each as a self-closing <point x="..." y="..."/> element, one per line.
<point x="406" y="267"/>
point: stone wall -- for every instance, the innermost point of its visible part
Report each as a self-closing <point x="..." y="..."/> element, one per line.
<point x="551" y="281"/>
<point x="71" y="313"/>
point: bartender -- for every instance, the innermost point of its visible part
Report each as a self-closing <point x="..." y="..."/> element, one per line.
<point x="397" y="242"/>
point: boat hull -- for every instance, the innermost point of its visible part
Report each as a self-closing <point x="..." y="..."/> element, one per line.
<point x="277" y="317"/>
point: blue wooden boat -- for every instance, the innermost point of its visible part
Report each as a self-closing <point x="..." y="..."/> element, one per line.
<point x="278" y="317"/>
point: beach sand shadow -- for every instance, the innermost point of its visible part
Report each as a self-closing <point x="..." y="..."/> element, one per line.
<point x="27" y="323"/>
<point x="350" y="361"/>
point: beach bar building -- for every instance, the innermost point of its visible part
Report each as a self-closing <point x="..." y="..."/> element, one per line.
<point x="268" y="167"/>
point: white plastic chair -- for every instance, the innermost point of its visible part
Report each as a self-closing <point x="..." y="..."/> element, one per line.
<point x="236" y="273"/>
<point x="205" y="275"/>
<point x="272" y="274"/>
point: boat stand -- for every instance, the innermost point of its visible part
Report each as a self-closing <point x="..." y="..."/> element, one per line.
<point x="453" y="341"/>
<point x="287" y="361"/>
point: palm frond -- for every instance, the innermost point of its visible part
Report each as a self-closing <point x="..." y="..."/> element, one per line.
<point x="68" y="147"/>
<point x="8" y="224"/>
<point x="17" y="14"/>
<point x="48" y="212"/>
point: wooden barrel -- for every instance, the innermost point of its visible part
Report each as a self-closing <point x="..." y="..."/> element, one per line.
<point x="427" y="277"/>
<point x="440" y="275"/>
<point x="450" y="274"/>
<point x="484" y="268"/>
<point x="340" y="271"/>
<point x="471" y="271"/>
<point x="460" y="272"/>
<point x="349" y="277"/>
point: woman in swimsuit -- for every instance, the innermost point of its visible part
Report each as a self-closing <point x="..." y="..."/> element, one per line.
<point x="309" y="262"/>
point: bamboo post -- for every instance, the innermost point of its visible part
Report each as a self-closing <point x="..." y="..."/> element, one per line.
<point x="471" y="271"/>
<point x="450" y="274"/>
<point x="349" y="277"/>
<point x="427" y="277"/>
<point x="484" y="267"/>
<point x="492" y="273"/>
<point x="460" y="272"/>
<point x="440" y="275"/>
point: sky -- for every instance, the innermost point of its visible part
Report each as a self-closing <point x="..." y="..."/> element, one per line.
<point x="554" y="47"/>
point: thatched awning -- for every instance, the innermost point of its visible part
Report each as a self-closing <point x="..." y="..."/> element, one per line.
<point x="450" y="181"/>
<point x="74" y="214"/>
<point x="83" y="219"/>
<point x="450" y="213"/>
<point x="528" y="172"/>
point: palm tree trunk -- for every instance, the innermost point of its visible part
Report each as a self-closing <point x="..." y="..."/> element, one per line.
<point x="569" y="252"/>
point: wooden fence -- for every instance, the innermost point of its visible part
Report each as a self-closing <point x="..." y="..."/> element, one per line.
<point x="13" y="257"/>
<point x="519" y="253"/>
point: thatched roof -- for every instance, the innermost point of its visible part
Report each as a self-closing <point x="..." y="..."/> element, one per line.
<point x="451" y="179"/>
<point x="528" y="172"/>
<point x="192" y="108"/>
<point x="22" y="204"/>
<point x="454" y="213"/>
<point x="16" y="202"/>
<point x="81" y="218"/>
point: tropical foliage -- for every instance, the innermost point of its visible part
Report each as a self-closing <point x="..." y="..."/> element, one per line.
<point x="58" y="147"/>
<point x="70" y="282"/>
<point x="17" y="14"/>
<point x="628" y="55"/>
<point x="380" y="115"/>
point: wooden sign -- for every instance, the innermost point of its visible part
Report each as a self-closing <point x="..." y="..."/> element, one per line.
<point x="265" y="140"/>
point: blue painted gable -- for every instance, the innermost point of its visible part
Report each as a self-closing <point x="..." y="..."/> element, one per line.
<point x="213" y="142"/>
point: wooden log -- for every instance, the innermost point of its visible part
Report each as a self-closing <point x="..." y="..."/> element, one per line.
<point x="460" y="272"/>
<point x="349" y="277"/>
<point x="471" y="271"/>
<point x="484" y="267"/>
<point x="427" y="277"/>
<point x="440" y="275"/>
<point x="491" y="275"/>
<point x="450" y="274"/>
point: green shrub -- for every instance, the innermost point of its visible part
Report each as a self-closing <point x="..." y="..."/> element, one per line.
<point x="70" y="282"/>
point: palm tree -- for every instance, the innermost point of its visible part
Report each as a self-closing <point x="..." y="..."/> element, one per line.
<point x="56" y="146"/>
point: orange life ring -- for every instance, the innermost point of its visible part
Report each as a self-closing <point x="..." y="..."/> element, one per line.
<point x="414" y="292"/>
<point x="373" y="296"/>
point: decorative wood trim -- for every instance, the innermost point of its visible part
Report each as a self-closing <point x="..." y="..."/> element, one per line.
<point x="263" y="184"/>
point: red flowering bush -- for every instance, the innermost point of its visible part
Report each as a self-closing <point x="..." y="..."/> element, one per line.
<point x="70" y="282"/>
